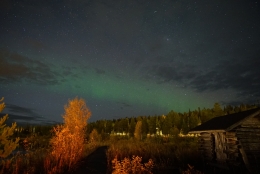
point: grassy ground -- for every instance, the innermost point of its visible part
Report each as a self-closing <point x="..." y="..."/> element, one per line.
<point x="34" y="161"/>
<point x="173" y="156"/>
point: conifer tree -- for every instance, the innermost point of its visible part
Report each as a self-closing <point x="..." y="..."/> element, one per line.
<point x="132" y="126"/>
<point x="217" y="110"/>
<point x="7" y="145"/>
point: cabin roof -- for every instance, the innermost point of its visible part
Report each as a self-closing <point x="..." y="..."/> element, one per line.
<point x="224" y="123"/>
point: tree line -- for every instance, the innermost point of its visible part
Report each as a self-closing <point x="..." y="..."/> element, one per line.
<point x="172" y="123"/>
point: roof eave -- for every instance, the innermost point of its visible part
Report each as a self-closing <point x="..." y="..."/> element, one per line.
<point x="200" y="131"/>
<point x="241" y="121"/>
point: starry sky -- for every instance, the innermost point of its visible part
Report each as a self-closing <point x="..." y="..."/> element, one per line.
<point x="126" y="58"/>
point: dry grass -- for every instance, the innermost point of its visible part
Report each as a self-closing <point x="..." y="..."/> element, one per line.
<point x="166" y="156"/>
<point x="31" y="162"/>
<point x="39" y="161"/>
<point x="191" y="170"/>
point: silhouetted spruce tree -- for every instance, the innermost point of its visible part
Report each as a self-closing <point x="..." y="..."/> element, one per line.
<point x="217" y="110"/>
<point x="152" y="125"/>
<point x="7" y="145"/>
<point x="145" y="127"/>
<point x="132" y="126"/>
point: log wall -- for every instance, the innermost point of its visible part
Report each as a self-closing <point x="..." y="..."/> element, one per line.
<point x="248" y="135"/>
<point x="207" y="146"/>
<point x="232" y="148"/>
<point x="221" y="147"/>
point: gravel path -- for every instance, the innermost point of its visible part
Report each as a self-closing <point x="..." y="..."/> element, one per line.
<point x="95" y="163"/>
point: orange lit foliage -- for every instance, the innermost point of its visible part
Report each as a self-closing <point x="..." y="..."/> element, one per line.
<point x="138" y="131"/>
<point x="128" y="166"/>
<point x="7" y="145"/>
<point x="94" y="137"/>
<point x="68" y="141"/>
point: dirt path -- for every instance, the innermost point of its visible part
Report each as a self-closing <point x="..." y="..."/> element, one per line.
<point x="95" y="163"/>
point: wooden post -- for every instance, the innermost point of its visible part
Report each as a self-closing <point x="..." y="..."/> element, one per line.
<point x="244" y="156"/>
<point x="219" y="147"/>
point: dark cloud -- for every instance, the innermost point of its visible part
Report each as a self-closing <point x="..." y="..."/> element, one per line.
<point x="241" y="75"/>
<point x="100" y="71"/>
<point x="24" y="115"/>
<point x="35" y="44"/>
<point x="240" y="72"/>
<point x="17" y="68"/>
<point x="18" y="109"/>
<point x="25" y="120"/>
<point x="156" y="45"/>
<point x="5" y="5"/>
<point x="15" y="118"/>
<point x="173" y="73"/>
<point x="124" y="105"/>
<point x="69" y="71"/>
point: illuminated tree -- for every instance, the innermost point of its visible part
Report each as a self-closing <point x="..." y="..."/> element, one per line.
<point x="194" y="120"/>
<point x="174" y="131"/>
<point x="94" y="137"/>
<point x="7" y="145"/>
<point x="217" y="110"/>
<point x="206" y="114"/>
<point x="68" y="141"/>
<point x="76" y="115"/>
<point x="138" y="130"/>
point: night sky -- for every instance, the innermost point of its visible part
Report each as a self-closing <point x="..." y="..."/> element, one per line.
<point x="127" y="57"/>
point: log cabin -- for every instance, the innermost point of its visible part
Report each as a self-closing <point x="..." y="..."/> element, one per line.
<point x="231" y="140"/>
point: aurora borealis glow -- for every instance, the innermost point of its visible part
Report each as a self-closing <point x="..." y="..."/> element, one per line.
<point x="126" y="58"/>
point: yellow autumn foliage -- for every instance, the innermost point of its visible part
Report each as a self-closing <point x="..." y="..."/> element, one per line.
<point x="68" y="141"/>
<point x="7" y="145"/>
<point x="138" y="131"/>
<point x="131" y="166"/>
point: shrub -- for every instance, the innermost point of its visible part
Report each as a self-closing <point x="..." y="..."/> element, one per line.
<point x="128" y="166"/>
<point x="94" y="137"/>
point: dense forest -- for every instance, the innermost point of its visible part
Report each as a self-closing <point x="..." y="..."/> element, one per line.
<point x="173" y="123"/>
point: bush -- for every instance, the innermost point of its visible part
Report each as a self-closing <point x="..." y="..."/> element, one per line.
<point x="94" y="137"/>
<point x="128" y="166"/>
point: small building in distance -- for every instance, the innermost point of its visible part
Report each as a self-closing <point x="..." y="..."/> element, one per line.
<point x="231" y="140"/>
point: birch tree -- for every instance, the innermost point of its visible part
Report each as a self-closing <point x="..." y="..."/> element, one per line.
<point x="68" y="141"/>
